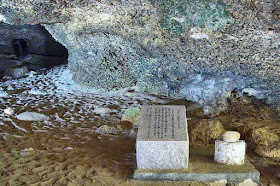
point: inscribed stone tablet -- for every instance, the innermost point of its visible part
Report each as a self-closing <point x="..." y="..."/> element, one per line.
<point x="162" y="139"/>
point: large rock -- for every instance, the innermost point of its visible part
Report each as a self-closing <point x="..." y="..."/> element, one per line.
<point x="205" y="131"/>
<point x="8" y="64"/>
<point x="17" y="72"/>
<point x="262" y="136"/>
<point x="202" y="50"/>
<point x="272" y="151"/>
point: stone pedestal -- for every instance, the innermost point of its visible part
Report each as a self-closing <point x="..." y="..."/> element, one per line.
<point x="230" y="153"/>
<point x="162" y="139"/>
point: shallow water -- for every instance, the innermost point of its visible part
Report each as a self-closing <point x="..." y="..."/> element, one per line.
<point x="67" y="148"/>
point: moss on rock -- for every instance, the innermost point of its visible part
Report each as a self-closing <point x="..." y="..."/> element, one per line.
<point x="132" y="115"/>
<point x="178" y="15"/>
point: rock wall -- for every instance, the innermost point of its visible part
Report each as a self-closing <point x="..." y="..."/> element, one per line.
<point x="198" y="49"/>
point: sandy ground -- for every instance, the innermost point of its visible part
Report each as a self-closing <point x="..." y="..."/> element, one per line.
<point x="67" y="150"/>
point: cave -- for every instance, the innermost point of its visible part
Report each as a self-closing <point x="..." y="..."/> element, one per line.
<point x="29" y="45"/>
<point x="143" y="92"/>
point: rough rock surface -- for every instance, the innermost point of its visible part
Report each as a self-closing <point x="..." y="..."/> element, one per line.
<point x="272" y="151"/>
<point x="165" y="47"/>
<point x="17" y="72"/>
<point x="205" y="131"/>
<point x="132" y="115"/>
<point x="8" y="64"/>
<point x="262" y="136"/>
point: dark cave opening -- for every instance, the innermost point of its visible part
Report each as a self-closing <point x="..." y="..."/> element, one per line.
<point x="20" y="48"/>
<point x="29" y="47"/>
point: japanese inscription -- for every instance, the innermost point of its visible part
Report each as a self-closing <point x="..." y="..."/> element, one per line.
<point x="162" y="123"/>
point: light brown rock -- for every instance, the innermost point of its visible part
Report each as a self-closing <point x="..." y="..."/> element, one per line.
<point x="272" y="151"/>
<point x="205" y="131"/>
<point x="262" y="136"/>
<point x="230" y="136"/>
<point x="247" y="182"/>
<point x="219" y="183"/>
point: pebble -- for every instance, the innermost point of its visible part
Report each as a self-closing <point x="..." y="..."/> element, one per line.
<point x="248" y="182"/>
<point x="32" y="116"/>
<point x="9" y="111"/>
<point x="219" y="183"/>
<point x="230" y="136"/>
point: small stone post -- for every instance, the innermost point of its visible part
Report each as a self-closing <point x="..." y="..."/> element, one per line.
<point x="230" y="150"/>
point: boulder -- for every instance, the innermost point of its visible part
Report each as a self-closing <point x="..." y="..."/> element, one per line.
<point x="262" y="136"/>
<point x="9" y="64"/>
<point x="205" y="130"/>
<point x="271" y="151"/>
<point x="230" y="136"/>
<point x="17" y="72"/>
<point x="132" y="115"/>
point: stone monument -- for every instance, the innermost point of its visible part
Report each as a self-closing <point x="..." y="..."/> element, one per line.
<point x="162" y="139"/>
<point x="162" y="151"/>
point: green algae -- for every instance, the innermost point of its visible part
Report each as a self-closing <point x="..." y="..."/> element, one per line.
<point x="179" y="15"/>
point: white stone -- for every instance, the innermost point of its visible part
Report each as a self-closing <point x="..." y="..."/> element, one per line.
<point x="2" y="18"/>
<point x="162" y="138"/>
<point x="9" y="111"/>
<point x="196" y="34"/>
<point x="3" y="94"/>
<point x="248" y="182"/>
<point x="230" y="136"/>
<point x="230" y="153"/>
<point x="219" y="183"/>
<point x="32" y="116"/>
<point x="102" y="111"/>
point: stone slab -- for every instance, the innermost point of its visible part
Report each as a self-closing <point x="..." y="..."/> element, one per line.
<point x="202" y="168"/>
<point x="162" y="138"/>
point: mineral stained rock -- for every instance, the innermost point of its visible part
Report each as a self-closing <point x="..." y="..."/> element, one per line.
<point x="132" y="115"/>
<point x="212" y="47"/>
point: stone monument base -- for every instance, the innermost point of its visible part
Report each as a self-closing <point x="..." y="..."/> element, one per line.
<point x="203" y="168"/>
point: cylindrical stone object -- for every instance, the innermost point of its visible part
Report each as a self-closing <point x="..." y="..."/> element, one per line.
<point x="230" y="153"/>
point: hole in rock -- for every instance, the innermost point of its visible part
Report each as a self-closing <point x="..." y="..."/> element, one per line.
<point x="20" y="48"/>
<point x="29" y="48"/>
